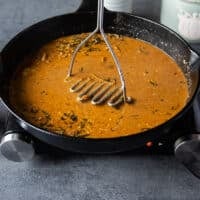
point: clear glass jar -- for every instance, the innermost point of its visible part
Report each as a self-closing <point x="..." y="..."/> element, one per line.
<point x="183" y="16"/>
<point x="119" y="5"/>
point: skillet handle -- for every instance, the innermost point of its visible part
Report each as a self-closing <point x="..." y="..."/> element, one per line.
<point x="194" y="60"/>
<point x="88" y="5"/>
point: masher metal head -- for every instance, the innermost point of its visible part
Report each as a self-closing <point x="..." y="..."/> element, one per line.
<point x="100" y="91"/>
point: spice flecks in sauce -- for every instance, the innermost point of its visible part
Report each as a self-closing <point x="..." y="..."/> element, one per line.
<point x="153" y="79"/>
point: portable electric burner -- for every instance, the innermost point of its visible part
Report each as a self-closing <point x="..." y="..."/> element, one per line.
<point x="183" y="140"/>
<point x="180" y="134"/>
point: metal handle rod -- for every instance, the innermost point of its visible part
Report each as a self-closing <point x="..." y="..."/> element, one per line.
<point x="84" y="41"/>
<point x="99" y="27"/>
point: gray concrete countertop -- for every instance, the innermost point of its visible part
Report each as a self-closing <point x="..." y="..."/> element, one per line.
<point x="85" y="177"/>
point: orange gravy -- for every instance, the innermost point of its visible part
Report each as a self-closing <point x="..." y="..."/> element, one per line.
<point x="40" y="94"/>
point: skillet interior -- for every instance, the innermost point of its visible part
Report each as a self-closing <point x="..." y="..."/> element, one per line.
<point x="43" y="32"/>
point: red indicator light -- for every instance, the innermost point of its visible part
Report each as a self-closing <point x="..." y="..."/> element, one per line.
<point x="149" y="144"/>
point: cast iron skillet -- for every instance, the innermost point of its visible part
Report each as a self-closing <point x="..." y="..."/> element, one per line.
<point x="126" y="24"/>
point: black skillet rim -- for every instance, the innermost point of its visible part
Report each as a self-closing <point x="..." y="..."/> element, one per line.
<point x="148" y="134"/>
